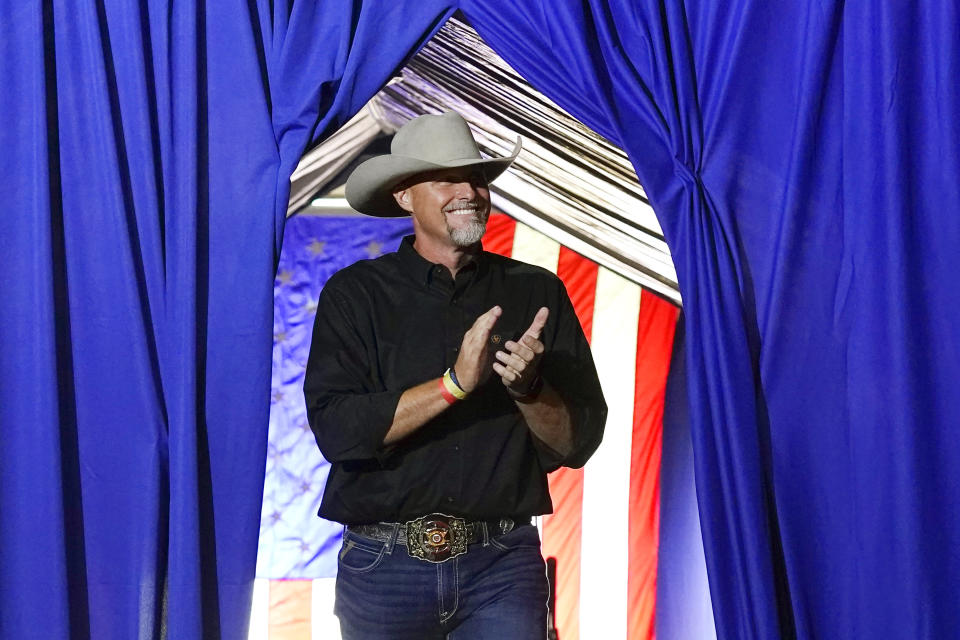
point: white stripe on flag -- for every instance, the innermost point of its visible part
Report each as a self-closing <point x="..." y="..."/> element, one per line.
<point x="260" y="610"/>
<point x="533" y="247"/>
<point x="323" y="624"/>
<point x="606" y="483"/>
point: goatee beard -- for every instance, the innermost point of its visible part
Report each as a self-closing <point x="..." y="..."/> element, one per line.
<point x="472" y="231"/>
<point x="468" y="234"/>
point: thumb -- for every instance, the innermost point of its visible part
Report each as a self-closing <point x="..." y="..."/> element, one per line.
<point x="538" y="323"/>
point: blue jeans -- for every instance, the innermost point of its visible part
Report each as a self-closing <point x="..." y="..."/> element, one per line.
<point x="497" y="590"/>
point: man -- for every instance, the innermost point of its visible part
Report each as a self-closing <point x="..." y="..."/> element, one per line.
<point x="443" y="384"/>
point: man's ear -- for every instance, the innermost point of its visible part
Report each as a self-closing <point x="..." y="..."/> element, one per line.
<point x="402" y="196"/>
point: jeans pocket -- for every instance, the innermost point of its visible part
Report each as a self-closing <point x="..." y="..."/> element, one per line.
<point x="360" y="555"/>
<point x="525" y="536"/>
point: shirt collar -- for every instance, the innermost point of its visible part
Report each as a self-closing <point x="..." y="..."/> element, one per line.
<point x="418" y="267"/>
<point x="421" y="269"/>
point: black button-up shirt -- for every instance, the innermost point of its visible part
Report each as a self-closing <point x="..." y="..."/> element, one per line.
<point x="389" y="324"/>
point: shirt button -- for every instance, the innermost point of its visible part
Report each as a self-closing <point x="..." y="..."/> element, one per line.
<point x="456" y="447"/>
<point x="449" y="498"/>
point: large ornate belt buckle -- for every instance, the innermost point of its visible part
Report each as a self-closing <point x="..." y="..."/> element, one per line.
<point x="436" y="537"/>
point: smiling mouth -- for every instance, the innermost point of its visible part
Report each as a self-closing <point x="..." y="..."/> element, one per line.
<point x="463" y="211"/>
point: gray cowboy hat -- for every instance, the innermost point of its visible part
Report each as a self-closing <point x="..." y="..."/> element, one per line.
<point x="426" y="143"/>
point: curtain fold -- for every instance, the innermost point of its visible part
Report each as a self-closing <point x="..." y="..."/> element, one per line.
<point x="626" y="69"/>
<point x="801" y="158"/>
<point x="145" y="176"/>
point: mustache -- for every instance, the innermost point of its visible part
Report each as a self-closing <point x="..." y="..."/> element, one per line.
<point x="478" y="204"/>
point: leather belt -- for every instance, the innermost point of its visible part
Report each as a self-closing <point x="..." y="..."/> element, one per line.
<point x="437" y="537"/>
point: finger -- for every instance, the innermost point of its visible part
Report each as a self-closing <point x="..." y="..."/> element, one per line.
<point x="489" y="318"/>
<point x="520" y="350"/>
<point x="518" y="364"/>
<point x="533" y="344"/>
<point x="483" y="325"/>
<point x="508" y="375"/>
<point x="538" y="323"/>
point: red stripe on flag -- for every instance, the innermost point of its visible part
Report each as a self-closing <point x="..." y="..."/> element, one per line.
<point x="579" y="275"/>
<point x="655" y="330"/>
<point x="499" y="235"/>
<point x="562" y="529"/>
<point x="290" y="609"/>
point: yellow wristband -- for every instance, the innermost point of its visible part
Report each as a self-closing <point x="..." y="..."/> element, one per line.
<point x="452" y="387"/>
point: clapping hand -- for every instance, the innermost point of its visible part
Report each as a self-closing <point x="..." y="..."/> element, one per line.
<point x="471" y="366"/>
<point x="518" y="365"/>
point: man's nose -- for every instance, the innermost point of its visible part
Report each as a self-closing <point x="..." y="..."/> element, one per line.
<point x="465" y="190"/>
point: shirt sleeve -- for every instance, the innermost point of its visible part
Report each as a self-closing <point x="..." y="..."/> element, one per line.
<point x="568" y="366"/>
<point x="348" y="414"/>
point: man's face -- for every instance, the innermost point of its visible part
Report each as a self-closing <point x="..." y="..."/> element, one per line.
<point x="450" y="206"/>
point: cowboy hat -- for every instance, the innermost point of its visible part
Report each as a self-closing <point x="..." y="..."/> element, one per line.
<point x="426" y="143"/>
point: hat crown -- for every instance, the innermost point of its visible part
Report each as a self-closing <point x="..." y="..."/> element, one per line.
<point x="425" y="144"/>
<point x="436" y="138"/>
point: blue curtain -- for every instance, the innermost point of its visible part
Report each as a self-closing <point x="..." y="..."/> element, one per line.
<point x="684" y="610"/>
<point x="803" y="159"/>
<point x="145" y="152"/>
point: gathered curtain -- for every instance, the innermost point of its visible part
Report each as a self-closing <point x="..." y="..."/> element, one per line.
<point x="802" y="159"/>
<point x="147" y="151"/>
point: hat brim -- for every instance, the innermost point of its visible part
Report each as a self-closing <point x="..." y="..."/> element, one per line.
<point x="369" y="188"/>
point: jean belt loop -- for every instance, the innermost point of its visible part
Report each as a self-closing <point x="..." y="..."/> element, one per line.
<point x="486" y="533"/>
<point x="393" y="537"/>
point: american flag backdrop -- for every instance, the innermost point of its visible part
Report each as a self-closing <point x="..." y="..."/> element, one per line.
<point x="603" y="532"/>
